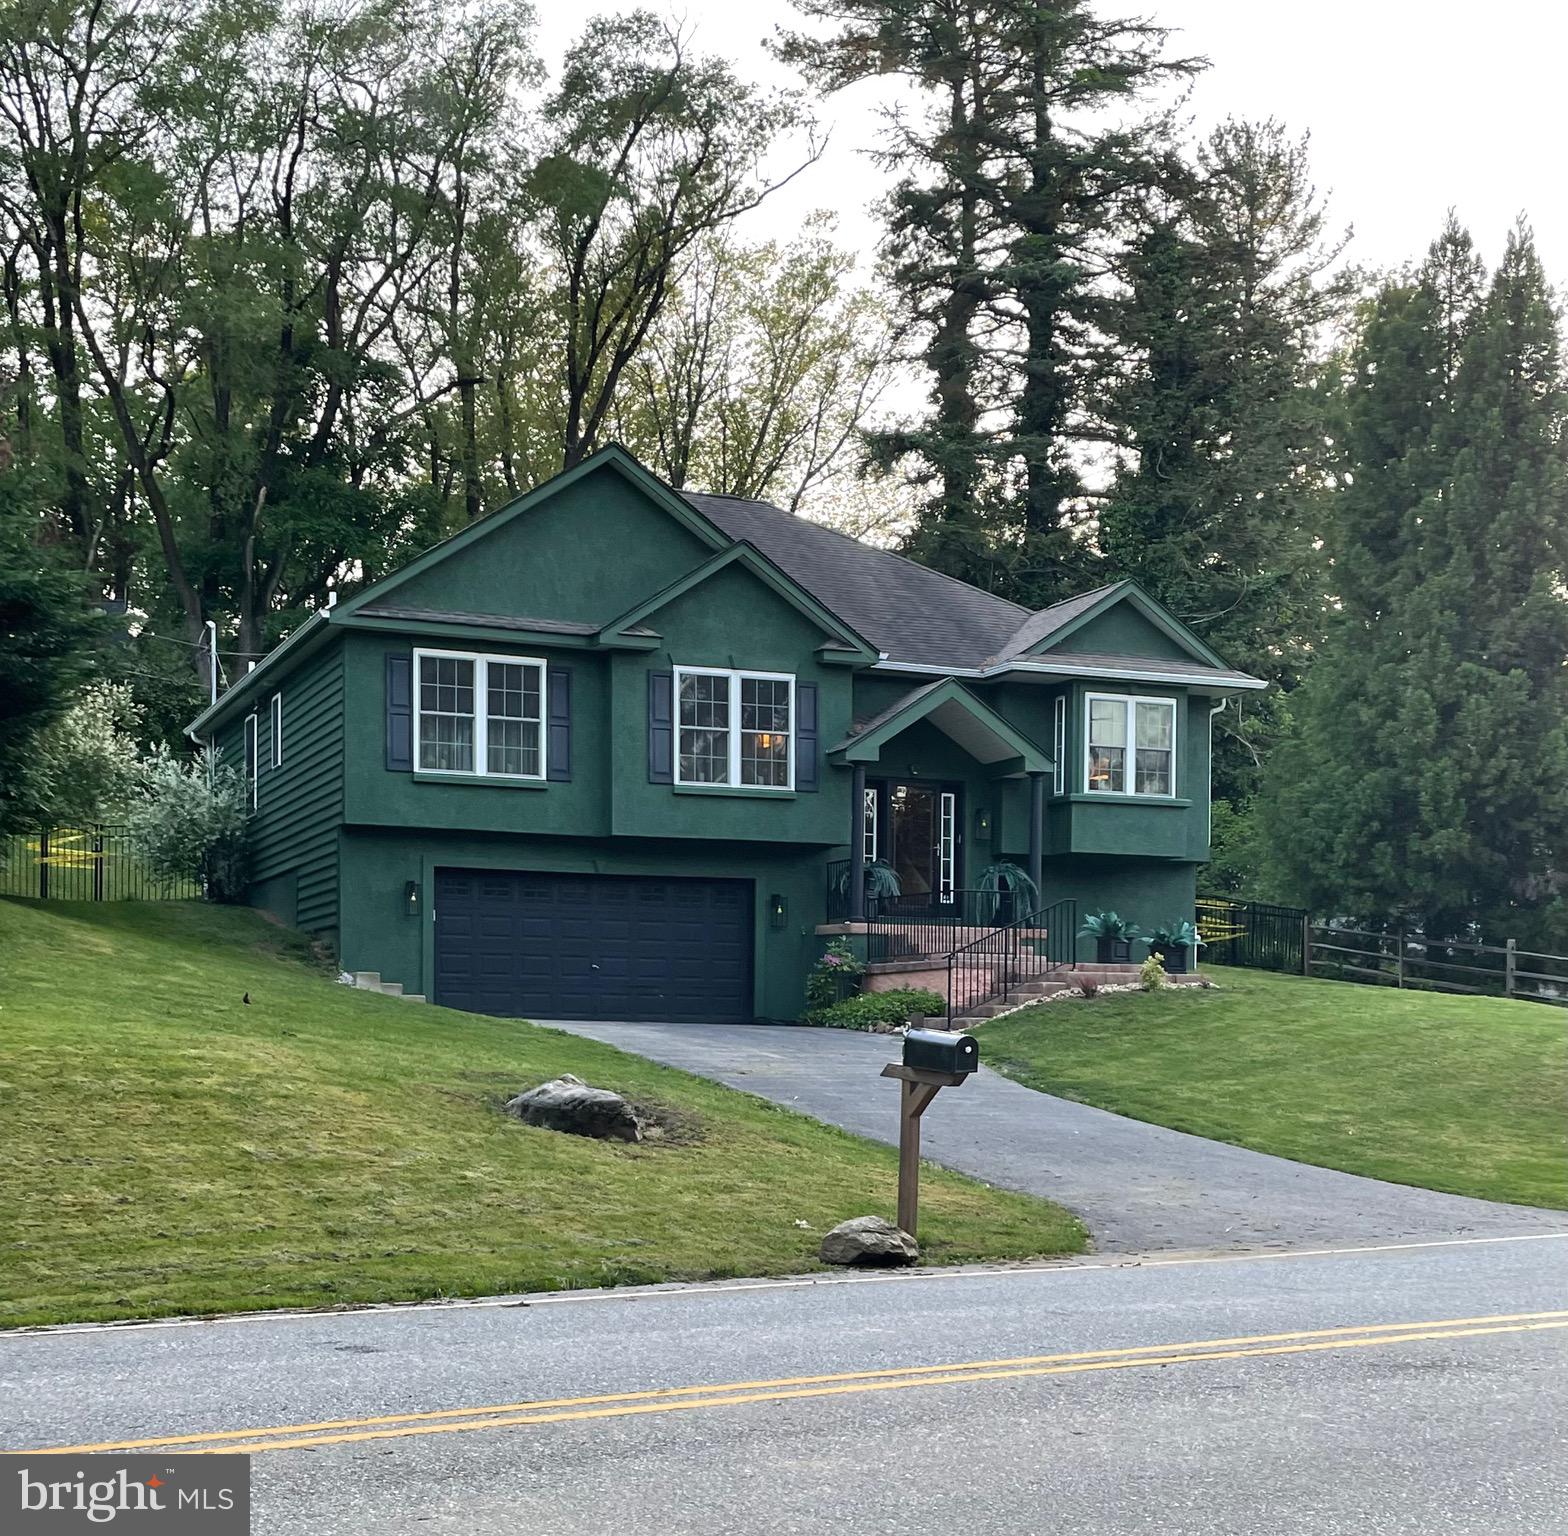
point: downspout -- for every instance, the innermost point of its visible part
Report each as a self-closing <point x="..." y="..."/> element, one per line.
<point x="1212" y="713"/>
<point x="212" y="685"/>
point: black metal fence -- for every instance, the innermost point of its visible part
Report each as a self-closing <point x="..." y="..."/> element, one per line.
<point x="1265" y="937"/>
<point x="83" y="864"/>
<point x="1252" y="933"/>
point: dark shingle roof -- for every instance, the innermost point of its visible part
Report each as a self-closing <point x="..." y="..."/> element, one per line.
<point x="483" y="620"/>
<point x="912" y="613"/>
<point x="1047" y="621"/>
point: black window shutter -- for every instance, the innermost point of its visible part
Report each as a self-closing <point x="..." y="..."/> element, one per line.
<point x="806" y="773"/>
<point x="558" y="750"/>
<point x="400" y="711"/>
<point x="661" y="728"/>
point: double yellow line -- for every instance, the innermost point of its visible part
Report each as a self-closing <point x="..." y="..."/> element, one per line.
<point x="558" y="1410"/>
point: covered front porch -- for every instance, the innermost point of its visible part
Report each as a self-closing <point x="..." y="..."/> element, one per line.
<point x="922" y="836"/>
<point x="932" y="895"/>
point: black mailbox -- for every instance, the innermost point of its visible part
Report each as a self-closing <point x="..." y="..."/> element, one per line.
<point x="934" y="1050"/>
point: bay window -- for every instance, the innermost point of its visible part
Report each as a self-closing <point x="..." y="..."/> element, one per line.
<point x="1131" y="745"/>
<point x="735" y="728"/>
<point x="477" y="714"/>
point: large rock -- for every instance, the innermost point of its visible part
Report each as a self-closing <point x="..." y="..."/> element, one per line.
<point x="868" y="1240"/>
<point x="567" y="1103"/>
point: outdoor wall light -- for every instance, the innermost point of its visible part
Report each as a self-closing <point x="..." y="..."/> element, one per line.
<point x="982" y="824"/>
<point x="411" y="899"/>
<point x="778" y="911"/>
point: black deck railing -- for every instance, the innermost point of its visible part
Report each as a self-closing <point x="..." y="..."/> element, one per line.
<point x="910" y="927"/>
<point x="997" y="964"/>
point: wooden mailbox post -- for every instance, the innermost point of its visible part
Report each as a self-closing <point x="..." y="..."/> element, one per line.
<point x="918" y="1085"/>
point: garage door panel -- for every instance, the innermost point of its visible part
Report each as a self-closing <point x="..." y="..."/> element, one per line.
<point x="593" y="946"/>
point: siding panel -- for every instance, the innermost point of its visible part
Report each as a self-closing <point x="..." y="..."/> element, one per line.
<point x="299" y="806"/>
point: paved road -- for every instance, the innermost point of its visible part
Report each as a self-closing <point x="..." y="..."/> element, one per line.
<point x="1139" y="1188"/>
<point x="1386" y="1393"/>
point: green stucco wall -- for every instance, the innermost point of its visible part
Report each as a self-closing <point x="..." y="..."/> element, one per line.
<point x="1121" y="631"/>
<point x="378" y="935"/>
<point x="1148" y="892"/>
<point x="587" y="554"/>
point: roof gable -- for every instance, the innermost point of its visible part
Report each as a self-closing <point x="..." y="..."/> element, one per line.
<point x="1086" y="623"/>
<point x="418" y="583"/>
<point x="840" y="638"/>
<point x="986" y="735"/>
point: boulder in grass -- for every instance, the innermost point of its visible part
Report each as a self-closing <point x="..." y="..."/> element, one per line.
<point x="868" y="1241"/>
<point x="568" y="1104"/>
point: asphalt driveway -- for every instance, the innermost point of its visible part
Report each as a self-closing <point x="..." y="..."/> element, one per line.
<point x="1139" y="1188"/>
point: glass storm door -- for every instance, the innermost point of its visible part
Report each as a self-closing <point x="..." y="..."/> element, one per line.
<point x="922" y="840"/>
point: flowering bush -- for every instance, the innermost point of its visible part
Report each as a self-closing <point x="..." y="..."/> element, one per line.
<point x="188" y="822"/>
<point x="838" y="964"/>
<point x="884" y="1011"/>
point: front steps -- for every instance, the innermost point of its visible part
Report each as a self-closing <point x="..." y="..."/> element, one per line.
<point x="370" y="981"/>
<point x="1053" y="985"/>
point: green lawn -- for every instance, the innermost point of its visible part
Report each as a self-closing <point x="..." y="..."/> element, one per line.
<point x="1462" y="1094"/>
<point x="167" y="1149"/>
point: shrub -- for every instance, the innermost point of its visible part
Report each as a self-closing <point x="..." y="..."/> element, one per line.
<point x="838" y="964"/>
<point x="85" y="763"/>
<point x="184" y="826"/>
<point x="868" y="1010"/>
<point x="1151" y="974"/>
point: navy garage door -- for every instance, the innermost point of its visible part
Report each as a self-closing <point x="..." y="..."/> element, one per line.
<point x="593" y="946"/>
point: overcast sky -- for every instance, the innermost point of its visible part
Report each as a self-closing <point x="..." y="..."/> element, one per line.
<point x="1413" y="106"/>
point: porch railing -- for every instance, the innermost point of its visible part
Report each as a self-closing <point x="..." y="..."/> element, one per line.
<point x="996" y="965"/>
<point x="909" y="927"/>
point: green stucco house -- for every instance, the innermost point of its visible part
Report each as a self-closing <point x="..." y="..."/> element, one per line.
<point x="616" y="751"/>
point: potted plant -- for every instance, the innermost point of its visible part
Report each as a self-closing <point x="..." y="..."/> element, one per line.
<point x="1113" y="937"/>
<point x="1001" y="880"/>
<point x="882" y="882"/>
<point x="1176" y="946"/>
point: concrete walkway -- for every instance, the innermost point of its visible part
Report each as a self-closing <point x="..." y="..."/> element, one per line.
<point x="1138" y="1187"/>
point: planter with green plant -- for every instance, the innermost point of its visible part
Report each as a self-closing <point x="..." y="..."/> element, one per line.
<point x="1006" y="893"/>
<point x="882" y="882"/>
<point x="1113" y="937"/>
<point x="1177" y="945"/>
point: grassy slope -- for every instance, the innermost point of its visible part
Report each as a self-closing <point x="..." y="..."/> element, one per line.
<point x="1462" y="1094"/>
<point x="168" y="1149"/>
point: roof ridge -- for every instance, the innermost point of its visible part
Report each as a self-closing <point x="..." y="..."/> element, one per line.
<point x="930" y="570"/>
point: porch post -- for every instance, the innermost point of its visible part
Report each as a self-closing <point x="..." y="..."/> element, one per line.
<point x="857" y="846"/>
<point x="1037" y="833"/>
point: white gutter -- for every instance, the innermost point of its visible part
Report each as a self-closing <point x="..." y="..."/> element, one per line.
<point x="1047" y="669"/>
<point x="310" y="626"/>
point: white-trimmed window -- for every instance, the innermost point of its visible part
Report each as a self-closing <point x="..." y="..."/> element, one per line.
<point x="735" y="728"/>
<point x="868" y="838"/>
<point x="252" y="764"/>
<point x="1130" y="745"/>
<point x="275" y="720"/>
<point x="1059" y="745"/>
<point x="478" y="714"/>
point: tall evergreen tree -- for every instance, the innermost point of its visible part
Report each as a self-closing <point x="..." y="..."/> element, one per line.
<point x="1015" y="182"/>
<point x="1429" y="776"/>
<point x="1221" y="409"/>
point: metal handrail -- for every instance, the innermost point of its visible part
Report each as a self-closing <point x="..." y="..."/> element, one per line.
<point x="994" y="964"/>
